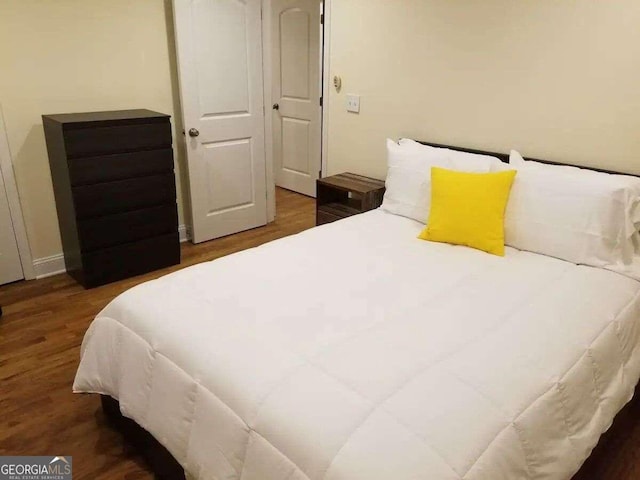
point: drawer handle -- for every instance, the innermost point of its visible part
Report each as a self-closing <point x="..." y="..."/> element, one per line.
<point x="193" y="132"/>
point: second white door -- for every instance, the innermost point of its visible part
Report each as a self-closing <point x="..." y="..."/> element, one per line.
<point x="296" y="82"/>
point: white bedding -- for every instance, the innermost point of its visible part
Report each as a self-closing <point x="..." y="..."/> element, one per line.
<point x="356" y="351"/>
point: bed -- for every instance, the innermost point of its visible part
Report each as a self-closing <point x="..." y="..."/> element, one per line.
<point x="267" y="365"/>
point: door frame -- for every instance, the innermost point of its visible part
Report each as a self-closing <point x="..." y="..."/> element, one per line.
<point x="15" y="209"/>
<point x="268" y="99"/>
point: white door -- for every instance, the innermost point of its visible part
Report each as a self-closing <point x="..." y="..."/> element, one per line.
<point x="296" y="81"/>
<point x="10" y="267"/>
<point x="219" y="46"/>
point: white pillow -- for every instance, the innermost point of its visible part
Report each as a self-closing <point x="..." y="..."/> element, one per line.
<point x="408" y="183"/>
<point x="578" y="215"/>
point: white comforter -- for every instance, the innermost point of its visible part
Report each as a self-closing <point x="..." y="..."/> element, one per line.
<point x="356" y="351"/>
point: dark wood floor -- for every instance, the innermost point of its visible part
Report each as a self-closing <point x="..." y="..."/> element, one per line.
<point x="40" y="336"/>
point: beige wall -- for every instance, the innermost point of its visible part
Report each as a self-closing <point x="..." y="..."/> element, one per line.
<point x="556" y="79"/>
<point x="76" y="55"/>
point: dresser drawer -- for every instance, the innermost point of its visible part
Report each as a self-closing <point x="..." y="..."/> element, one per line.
<point x="110" y="230"/>
<point x="84" y="142"/>
<point x="122" y="261"/>
<point x="106" y="168"/>
<point x="123" y="195"/>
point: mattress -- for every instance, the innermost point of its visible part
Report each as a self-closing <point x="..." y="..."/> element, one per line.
<point x="355" y="351"/>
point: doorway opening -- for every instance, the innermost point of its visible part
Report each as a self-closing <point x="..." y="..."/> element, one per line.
<point x="253" y="90"/>
<point x="296" y="71"/>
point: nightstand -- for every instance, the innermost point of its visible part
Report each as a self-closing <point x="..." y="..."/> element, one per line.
<point x="346" y="194"/>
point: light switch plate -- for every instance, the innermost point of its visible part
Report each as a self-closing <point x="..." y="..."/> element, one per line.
<point x="353" y="103"/>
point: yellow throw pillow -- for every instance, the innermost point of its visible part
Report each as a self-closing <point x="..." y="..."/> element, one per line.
<point x="468" y="208"/>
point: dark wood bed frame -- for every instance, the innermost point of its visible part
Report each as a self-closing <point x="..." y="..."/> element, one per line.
<point x="165" y="466"/>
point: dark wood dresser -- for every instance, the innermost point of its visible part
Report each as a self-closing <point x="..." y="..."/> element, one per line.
<point x="115" y="192"/>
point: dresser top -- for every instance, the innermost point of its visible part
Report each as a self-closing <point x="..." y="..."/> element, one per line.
<point x="107" y="117"/>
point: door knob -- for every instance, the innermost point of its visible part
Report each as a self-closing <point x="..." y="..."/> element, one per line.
<point x="193" y="132"/>
<point x="276" y="106"/>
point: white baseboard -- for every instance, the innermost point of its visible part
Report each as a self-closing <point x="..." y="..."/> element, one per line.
<point x="184" y="232"/>
<point x="48" y="266"/>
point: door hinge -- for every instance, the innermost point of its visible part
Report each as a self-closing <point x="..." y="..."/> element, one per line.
<point x="322" y="19"/>
<point x="321" y="101"/>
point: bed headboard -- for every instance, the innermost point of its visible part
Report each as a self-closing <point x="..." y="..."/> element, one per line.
<point x="505" y="157"/>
